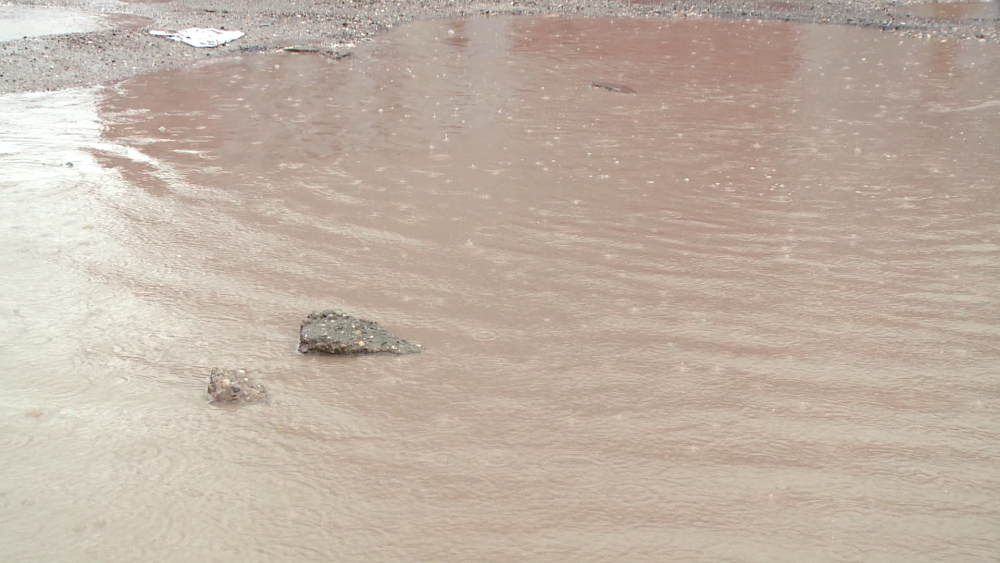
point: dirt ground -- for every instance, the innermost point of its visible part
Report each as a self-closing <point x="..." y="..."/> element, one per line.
<point x="79" y="59"/>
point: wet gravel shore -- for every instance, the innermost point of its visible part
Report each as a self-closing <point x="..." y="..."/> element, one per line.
<point x="79" y="59"/>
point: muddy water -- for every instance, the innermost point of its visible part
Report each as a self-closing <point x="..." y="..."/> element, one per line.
<point x="748" y="313"/>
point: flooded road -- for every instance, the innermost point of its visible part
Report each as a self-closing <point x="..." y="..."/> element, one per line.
<point x="747" y="313"/>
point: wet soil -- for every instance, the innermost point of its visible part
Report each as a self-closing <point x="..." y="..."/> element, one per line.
<point x="77" y="59"/>
<point x="957" y="10"/>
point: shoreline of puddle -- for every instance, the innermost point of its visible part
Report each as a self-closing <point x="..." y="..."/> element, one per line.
<point x="104" y="56"/>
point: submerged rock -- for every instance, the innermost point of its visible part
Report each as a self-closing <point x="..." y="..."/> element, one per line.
<point x="336" y="332"/>
<point x="233" y="386"/>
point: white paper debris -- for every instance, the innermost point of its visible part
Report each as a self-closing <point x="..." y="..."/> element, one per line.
<point x="200" y="36"/>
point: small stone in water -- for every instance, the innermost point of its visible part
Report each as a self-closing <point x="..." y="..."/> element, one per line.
<point x="224" y="386"/>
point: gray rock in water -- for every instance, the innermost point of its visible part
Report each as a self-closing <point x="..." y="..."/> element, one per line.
<point x="336" y="332"/>
<point x="233" y="386"/>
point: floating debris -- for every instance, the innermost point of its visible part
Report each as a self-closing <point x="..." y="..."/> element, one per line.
<point x="200" y="36"/>
<point x="620" y="88"/>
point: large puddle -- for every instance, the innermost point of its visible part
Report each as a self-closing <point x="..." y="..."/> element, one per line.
<point x="748" y="313"/>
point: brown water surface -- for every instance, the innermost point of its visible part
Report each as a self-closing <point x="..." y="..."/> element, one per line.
<point x="749" y="313"/>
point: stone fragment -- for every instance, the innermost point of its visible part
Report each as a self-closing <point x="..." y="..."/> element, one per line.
<point x="233" y="386"/>
<point x="336" y="332"/>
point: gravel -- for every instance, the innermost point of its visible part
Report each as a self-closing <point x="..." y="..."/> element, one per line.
<point x="228" y="385"/>
<point x="100" y="57"/>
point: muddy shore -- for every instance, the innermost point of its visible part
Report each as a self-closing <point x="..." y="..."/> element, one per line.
<point x="99" y="57"/>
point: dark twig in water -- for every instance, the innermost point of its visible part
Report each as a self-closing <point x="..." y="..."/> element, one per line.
<point x="620" y="88"/>
<point x="325" y="51"/>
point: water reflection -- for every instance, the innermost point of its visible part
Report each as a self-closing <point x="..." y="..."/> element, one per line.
<point x="747" y="313"/>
